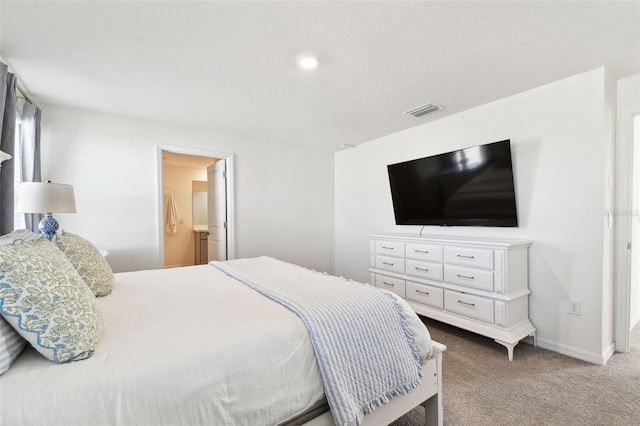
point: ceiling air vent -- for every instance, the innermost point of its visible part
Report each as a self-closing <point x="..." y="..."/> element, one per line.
<point x="423" y="109"/>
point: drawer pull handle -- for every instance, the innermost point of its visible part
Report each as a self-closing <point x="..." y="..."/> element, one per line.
<point x="465" y="276"/>
<point x="387" y="248"/>
<point x="466" y="257"/>
<point x="389" y="284"/>
<point x="387" y="263"/>
<point x="422" y="292"/>
<point x="421" y="251"/>
<point x="422" y="269"/>
<point x="468" y="304"/>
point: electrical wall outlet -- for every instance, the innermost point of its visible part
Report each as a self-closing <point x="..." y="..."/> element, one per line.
<point x="575" y="307"/>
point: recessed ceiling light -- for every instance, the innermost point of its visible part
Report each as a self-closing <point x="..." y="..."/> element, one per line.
<point x="307" y="62"/>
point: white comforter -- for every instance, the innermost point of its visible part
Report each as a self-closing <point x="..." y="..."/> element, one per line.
<point x="181" y="346"/>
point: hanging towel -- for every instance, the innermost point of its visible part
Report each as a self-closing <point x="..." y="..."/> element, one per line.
<point x="172" y="217"/>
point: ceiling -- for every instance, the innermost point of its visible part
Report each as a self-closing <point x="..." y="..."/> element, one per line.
<point x="230" y="67"/>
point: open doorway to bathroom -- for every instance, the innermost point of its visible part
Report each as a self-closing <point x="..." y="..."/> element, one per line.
<point x="195" y="206"/>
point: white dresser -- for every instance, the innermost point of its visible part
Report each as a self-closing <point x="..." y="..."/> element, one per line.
<point x="479" y="284"/>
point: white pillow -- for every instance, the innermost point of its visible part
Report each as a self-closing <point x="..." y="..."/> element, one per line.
<point x="11" y="345"/>
<point x="19" y="234"/>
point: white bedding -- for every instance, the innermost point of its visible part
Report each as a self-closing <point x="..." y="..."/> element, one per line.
<point x="180" y="346"/>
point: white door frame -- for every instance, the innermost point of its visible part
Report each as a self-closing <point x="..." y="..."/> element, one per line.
<point x="228" y="157"/>
<point x="624" y="216"/>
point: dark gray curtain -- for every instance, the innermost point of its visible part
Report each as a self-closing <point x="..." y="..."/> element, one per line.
<point x="30" y="154"/>
<point x="7" y="143"/>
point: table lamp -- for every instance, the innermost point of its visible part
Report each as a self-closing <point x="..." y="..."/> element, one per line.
<point x="47" y="198"/>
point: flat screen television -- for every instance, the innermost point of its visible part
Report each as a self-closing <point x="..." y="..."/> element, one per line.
<point x="468" y="187"/>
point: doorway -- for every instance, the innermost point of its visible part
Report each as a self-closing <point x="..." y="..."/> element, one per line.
<point x="182" y="187"/>
<point x="634" y="285"/>
<point x="627" y="251"/>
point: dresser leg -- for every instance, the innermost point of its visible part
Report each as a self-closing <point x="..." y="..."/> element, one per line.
<point x="509" y="347"/>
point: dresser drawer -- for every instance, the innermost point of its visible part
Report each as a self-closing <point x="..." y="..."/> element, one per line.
<point x="425" y="294"/>
<point x="388" y="263"/>
<point x="428" y="252"/>
<point x="428" y="270"/>
<point x="390" y="248"/>
<point x="477" y="258"/>
<point x="392" y="284"/>
<point x="469" y="306"/>
<point x="469" y="277"/>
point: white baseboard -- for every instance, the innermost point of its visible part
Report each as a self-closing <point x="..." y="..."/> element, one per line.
<point x="591" y="357"/>
<point x="610" y="350"/>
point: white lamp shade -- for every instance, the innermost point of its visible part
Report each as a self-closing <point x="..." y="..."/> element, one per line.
<point x="46" y="197"/>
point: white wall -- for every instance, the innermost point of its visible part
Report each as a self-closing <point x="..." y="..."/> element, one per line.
<point x="283" y="194"/>
<point x="562" y="158"/>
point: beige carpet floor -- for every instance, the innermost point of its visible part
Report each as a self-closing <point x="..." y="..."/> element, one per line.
<point x="540" y="387"/>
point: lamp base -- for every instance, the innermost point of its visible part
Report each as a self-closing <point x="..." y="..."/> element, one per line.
<point x="48" y="226"/>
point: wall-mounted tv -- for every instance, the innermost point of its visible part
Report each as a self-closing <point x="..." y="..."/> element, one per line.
<point x="468" y="187"/>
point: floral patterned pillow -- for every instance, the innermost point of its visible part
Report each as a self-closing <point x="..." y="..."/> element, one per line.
<point x="45" y="300"/>
<point x="11" y="343"/>
<point x="90" y="264"/>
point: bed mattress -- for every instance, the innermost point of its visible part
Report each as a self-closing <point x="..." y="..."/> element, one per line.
<point x="180" y="346"/>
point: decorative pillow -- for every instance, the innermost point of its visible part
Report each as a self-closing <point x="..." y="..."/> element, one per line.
<point x="20" y="234"/>
<point x="90" y="264"/>
<point x="11" y="344"/>
<point x="45" y="300"/>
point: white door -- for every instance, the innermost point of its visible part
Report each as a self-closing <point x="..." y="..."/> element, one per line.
<point x="217" y="211"/>
<point x="634" y="285"/>
<point x="627" y="273"/>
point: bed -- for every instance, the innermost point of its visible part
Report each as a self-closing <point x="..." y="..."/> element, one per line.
<point x="195" y="346"/>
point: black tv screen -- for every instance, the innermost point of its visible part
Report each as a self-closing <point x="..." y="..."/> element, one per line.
<point x="468" y="187"/>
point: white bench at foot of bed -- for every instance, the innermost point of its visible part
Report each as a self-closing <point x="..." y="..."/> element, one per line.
<point x="429" y="394"/>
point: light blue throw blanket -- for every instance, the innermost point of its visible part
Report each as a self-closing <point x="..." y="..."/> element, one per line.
<point x="365" y="351"/>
